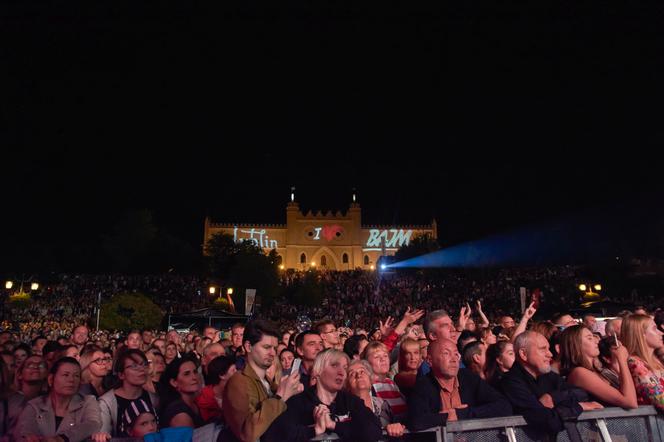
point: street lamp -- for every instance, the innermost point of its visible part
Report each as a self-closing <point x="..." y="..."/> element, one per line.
<point x="9" y="284"/>
<point x="587" y="290"/>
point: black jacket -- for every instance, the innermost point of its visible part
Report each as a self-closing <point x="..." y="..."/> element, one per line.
<point x="296" y="424"/>
<point x="424" y="403"/>
<point x="524" y="391"/>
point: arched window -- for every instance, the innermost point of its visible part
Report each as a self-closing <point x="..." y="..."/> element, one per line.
<point x="344" y="258"/>
<point x="323" y="261"/>
<point x="366" y="260"/>
<point x="303" y="259"/>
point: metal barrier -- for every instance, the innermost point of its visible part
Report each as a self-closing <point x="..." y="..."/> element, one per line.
<point x="607" y="425"/>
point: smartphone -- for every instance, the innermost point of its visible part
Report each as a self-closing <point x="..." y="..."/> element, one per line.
<point x="295" y="368"/>
<point x="615" y="339"/>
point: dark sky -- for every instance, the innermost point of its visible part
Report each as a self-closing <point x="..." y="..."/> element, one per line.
<point x="476" y="113"/>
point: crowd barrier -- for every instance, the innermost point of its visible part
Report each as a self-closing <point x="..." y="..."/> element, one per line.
<point x="642" y="424"/>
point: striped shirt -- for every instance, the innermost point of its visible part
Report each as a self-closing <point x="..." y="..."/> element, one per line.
<point x="388" y="390"/>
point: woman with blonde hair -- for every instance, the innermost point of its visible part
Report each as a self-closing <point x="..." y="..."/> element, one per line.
<point x="641" y="337"/>
<point x="579" y="353"/>
<point x="94" y="368"/>
<point x="326" y="407"/>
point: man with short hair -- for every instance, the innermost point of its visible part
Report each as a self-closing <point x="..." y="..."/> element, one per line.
<point x="210" y="352"/>
<point x="307" y="346"/>
<point x="251" y="400"/>
<point x="134" y="339"/>
<point x="147" y="339"/>
<point x="79" y="337"/>
<point x="211" y="332"/>
<point x="506" y="322"/>
<point x="537" y="393"/>
<point x="474" y="357"/>
<point x="329" y="333"/>
<point x="237" y="332"/>
<point x="448" y="393"/>
<point x="589" y="321"/>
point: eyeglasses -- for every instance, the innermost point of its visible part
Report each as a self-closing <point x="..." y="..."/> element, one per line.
<point x="137" y="366"/>
<point x="100" y="361"/>
<point x="36" y="365"/>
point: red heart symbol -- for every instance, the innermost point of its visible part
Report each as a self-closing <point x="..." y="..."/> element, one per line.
<point x="329" y="232"/>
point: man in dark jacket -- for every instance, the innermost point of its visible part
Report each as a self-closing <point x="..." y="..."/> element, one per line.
<point x="541" y="396"/>
<point x="448" y="393"/>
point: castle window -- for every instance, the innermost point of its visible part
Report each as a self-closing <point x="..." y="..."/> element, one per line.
<point x="344" y="258"/>
<point x="366" y="260"/>
<point x="303" y="259"/>
<point x="323" y="261"/>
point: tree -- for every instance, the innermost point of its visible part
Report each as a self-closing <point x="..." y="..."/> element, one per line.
<point x="128" y="311"/>
<point x="420" y="245"/>
<point x="243" y="265"/>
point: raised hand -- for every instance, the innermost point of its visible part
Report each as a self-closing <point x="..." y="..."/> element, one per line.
<point x="386" y="327"/>
<point x="412" y="315"/>
<point x="530" y="311"/>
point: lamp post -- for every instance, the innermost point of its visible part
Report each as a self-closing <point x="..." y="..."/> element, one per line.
<point x="587" y="290"/>
<point x="9" y="284"/>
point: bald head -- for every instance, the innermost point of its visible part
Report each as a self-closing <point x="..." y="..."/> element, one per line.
<point x="444" y="357"/>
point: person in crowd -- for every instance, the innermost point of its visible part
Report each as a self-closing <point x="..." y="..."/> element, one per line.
<point x="448" y="393"/>
<point x="69" y="351"/>
<point x="131" y="367"/>
<point x="156" y="366"/>
<point x="250" y="402"/>
<point x="171" y="353"/>
<point x="355" y="345"/>
<point x="146" y="339"/>
<point x="641" y="337"/>
<point x="506" y="322"/>
<point x="79" y="337"/>
<point x="286" y="357"/>
<point x="21" y="352"/>
<point x="211" y="332"/>
<point x="328" y="333"/>
<point x="180" y="384"/>
<point x="210" y="401"/>
<point x="63" y="414"/>
<point x="545" y="328"/>
<point x="94" y="368"/>
<point x="160" y="344"/>
<point x="237" y="333"/>
<point x="11" y="405"/>
<point x="139" y="420"/>
<point x="609" y="364"/>
<point x="410" y="358"/>
<point x="563" y="320"/>
<point x="589" y="321"/>
<point x="499" y="360"/>
<point x="134" y="340"/>
<point x="327" y="407"/>
<point x="307" y="346"/>
<point x="541" y="396"/>
<point x="474" y="357"/>
<point x="377" y="355"/>
<point x="613" y="327"/>
<point x="579" y="354"/>
<point x="486" y="336"/>
<point x="211" y="352"/>
<point x="31" y="377"/>
<point x="359" y="383"/>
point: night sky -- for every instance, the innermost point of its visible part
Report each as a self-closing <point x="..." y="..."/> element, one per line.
<point x="479" y="114"/>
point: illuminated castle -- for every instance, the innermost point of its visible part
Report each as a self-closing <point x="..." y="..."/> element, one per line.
<point x="330" y="241"/>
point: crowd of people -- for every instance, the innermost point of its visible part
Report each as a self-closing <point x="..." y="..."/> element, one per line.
<point x="386" y="354"/>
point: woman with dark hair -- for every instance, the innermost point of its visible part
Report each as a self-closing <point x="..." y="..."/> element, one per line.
<point x="63" y="415"/>
<point x="171" y="352"/>
<point x="131" y="369"/>
<point x="354" y="346"/>
<point x="286" y="357"/>
<point x="499" y="359"/>
<point x="578" y="359"/>
<point x="210" y="401"/>
<point x="180" y="384"/>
